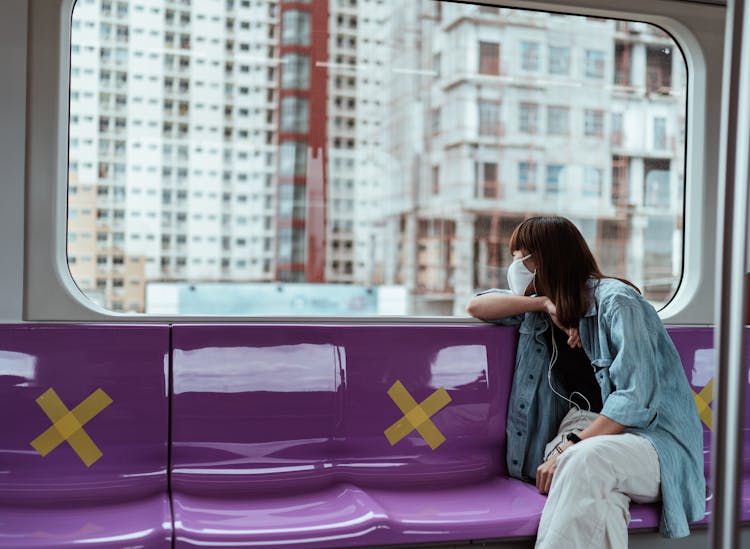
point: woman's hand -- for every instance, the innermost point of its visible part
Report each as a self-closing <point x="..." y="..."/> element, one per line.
<point x="544" y="474"/>
<point x="574" y="339"/>
<point x="546" y="470"/>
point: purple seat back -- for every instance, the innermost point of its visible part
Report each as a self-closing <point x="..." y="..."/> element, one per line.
<point x="295" y="408"/>
<point x="695" y="346"/>
<point x="73" y="490"/>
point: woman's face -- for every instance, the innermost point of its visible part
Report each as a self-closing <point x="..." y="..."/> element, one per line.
<point x="529" y="263"/>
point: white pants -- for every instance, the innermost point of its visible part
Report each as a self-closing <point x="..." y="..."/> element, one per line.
<point x="595" y="480"/>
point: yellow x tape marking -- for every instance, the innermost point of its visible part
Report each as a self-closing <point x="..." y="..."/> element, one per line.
<point x="416" y="416"/>
<point x="67" y="425"/>
<point x="703" y="400"/>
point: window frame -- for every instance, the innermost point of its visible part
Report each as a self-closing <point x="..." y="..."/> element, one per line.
<point x="50" y="294"/>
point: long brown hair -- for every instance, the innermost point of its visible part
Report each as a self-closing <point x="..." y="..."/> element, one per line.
<point x="564" y="263"/>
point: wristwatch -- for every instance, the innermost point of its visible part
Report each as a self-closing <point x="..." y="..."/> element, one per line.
<point x="574" y="438"/>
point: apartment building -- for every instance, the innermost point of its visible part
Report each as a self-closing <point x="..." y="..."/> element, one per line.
<point x="204" y="128"/>
<point x="527" y="113"/>
<point x="174" y="124"/>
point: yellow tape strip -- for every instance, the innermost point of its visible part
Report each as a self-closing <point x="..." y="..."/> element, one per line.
<point x="416" y="416"/>
<point x="703" y="401"/>
<point x="67" y="425"/>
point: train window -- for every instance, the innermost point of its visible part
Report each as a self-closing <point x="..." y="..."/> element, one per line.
<point x="276" y="168"/>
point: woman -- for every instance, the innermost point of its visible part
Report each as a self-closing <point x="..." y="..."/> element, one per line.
<point x="605" y="372"/>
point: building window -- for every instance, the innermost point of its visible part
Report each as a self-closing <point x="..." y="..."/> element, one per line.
<point x="595" y="60"/>
<point x="620" y="177"/>
<point x="295" y="71"/>
<point x="294" y="114"/>
<point x="528" y="119"/>
<point x="553" y="180"/>
<point x="292" y="158"/>
<point x="489" y="117"/>
<point x="559" y="60"/>
<point x="295" y="28"/>
<point x="291" y="246"/>
<point x="292" y="200"/>
<point x="660" y="133"/>
<point x="659" y="70"/>
<point x="558" y="120"/>
<point x="593" y="123"/>
<point x="530" y="56"/>
<point x="617" y="135"/>
<point x="592" y="181"/>
<point x="623" y="62"/>
<point x="489" y="58"/>
<point x="527" y="176"/>
<point x="490" y="183"/>
<point x="656" y="186"/>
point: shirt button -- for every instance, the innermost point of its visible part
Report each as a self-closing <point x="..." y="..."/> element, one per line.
<point x="523" y="406"/>
<point x="531" y="376"/>
<point x="538" y="349"/>
<point x="519" y="433"/>
<point x="515" y="462"/>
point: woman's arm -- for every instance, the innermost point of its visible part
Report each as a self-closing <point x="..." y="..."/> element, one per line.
<point x="602" y="425"/>
<point x="491" y="306"/>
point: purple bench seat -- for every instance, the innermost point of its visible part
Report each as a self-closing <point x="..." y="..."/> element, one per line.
<point x="142" y="522"/>
<point x="278" y="436"/>
<point x="121" y="498"/>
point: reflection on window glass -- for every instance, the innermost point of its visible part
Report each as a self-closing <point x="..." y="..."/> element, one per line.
<point x="234" y="162"/>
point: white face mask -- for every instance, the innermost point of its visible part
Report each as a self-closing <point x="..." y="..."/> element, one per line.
<point x="519" y="277"/>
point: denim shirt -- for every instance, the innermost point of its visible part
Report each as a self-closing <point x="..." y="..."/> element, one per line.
<point x="643" y="387"/>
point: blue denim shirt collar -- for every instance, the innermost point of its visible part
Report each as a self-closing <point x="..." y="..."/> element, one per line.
<point x="591" y="285"/>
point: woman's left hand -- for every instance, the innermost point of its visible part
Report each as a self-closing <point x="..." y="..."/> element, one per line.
<point x="574" y="339"/>
<point x="546" y="470"/>
<point x="544" y="474"/>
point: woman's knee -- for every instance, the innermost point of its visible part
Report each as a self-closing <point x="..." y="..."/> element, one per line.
<point x="588" y="455"/>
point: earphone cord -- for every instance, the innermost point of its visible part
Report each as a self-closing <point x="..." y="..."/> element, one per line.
<point x="552" y="361"/>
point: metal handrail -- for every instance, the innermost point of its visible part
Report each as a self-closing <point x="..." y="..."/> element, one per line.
<point x="732" y="220"/>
